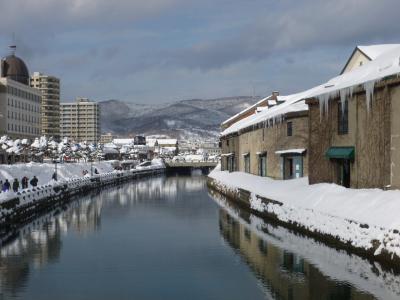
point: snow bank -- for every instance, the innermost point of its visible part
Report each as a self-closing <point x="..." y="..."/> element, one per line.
<point x="45" y="171"/>
<point x="71" y="182"/>
<point x="358" y="217"/>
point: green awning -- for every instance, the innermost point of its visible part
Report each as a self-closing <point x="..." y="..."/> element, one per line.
<point x="340" y="153"/>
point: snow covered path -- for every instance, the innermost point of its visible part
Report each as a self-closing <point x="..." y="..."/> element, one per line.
<point x="44" y="171"/>
<point x="70" y="179"/>
<point x="358" y="217"/>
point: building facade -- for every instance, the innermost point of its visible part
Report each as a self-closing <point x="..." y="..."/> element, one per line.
<point x="269" y="150"/>
<point x="358" y="147"/>
<point x="107" y="138"/>
<point x="80" y="120"/>
<point x="354" y="136"/>
<point x="19" y="103"/>
<point x="50" y="103"/>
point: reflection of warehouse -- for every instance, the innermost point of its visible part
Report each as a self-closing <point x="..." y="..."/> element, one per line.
<point x="285" y="275"/>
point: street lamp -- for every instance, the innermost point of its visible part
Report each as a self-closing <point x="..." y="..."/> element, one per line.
<point x="91" y="167"/>
<point x="55" y="170"/>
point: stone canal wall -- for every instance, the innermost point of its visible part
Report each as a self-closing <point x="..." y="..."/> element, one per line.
<point x="276" y="212"/>
<point x="22" y="207"/>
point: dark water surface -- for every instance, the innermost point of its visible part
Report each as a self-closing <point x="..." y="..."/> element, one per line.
<point x="170" y="238"/>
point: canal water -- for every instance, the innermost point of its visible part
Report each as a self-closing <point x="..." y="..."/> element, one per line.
<point x="172" y="238"/>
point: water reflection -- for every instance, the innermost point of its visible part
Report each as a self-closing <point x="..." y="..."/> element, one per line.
<point x="162" y="236"/>
<point x="291" y="266"/>
<point x="39" y="243"/>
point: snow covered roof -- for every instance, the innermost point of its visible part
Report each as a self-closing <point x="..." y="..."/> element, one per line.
<point x="123" y="141"/>
<point x="246" y="110"/>
<point x="110" y="145"/>
<point x="373" y="51"/>
<point x="387" y="64"/>
<point x="291" y="103"/>
<point x="167" y="142"/>
<point x="370" y="52"/>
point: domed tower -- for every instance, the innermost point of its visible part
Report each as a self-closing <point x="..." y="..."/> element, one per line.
<point x="14" y="68"/>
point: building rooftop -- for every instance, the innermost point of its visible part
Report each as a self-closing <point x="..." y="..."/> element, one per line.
<point x="14" y="68"/>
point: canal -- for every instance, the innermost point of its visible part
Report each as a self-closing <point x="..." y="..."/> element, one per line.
<point x="172" y="238"/>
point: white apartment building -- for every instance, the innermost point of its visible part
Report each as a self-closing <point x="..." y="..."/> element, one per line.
<point x="50" y="103"/>
<point x="80" y="120"/>
<point x="19" y="103"/>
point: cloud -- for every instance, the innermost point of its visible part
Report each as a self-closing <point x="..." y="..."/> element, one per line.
<point x="296" y="26"/>
<point x="166" y="49"/>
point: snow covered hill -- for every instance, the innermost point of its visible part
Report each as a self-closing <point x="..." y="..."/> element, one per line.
<point x="182" y="119"/>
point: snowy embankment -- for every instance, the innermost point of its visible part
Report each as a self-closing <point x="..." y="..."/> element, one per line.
<point x="44" y="171"/>
<point x="70" y="182"/>
<point x="366" y="219"/>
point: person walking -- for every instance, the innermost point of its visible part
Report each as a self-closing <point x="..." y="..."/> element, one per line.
<point x="34" y="181"/>
<point x="6" y="186"/>
<point x="24" y="182"/>
<point x="15" y="185"/>
<point x="54" y="177"/>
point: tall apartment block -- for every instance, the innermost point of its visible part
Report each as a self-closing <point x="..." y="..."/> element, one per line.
<point x="80" y="120"/>
<point x="50" y="103"/>
<point x="19" y="103"/>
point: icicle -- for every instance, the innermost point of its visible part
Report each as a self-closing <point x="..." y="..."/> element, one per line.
<point x="323" y="104"/>
<point x="343" y="96"/>
<point x="351" y="91"/>
<point x="369" y="93"/>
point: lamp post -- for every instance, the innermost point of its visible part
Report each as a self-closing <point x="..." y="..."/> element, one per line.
<point x="55" y="170"/>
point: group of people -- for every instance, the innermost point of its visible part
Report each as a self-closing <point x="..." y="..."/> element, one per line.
<point x="85" y="172"/>
<point x="6" y="185"/>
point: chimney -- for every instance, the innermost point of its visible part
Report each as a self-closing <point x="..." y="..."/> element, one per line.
<point x="275" y="95"/>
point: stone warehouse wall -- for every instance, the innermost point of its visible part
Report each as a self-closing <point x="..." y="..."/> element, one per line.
<point x="394" y="167"/>
<point x="229" y="144"/>
<point x="273" y="139"/>
<point x="369" y="133"/>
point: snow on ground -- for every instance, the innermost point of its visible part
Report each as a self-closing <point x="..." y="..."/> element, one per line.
<point x="44" y="171"/>
<point x="70" y="175"/>
<point x="326" y="208"/>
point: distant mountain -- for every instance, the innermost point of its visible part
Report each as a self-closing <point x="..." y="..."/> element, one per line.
<point x="182" y="119"/>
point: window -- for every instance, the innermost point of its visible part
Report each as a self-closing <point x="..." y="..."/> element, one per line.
<point x="289" y="128"/>
<point x="262" y="165"/>
<point x="227" y="142"/>
<point x="343" y="118"/>
<point x="247" y="163"/>
<point x="262" y="246"/>
<point x="247" y="234"/>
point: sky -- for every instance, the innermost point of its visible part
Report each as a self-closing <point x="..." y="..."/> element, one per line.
<point x="158" y="51"/>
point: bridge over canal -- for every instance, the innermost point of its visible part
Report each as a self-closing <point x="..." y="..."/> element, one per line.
<point x="189" y="166"/>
